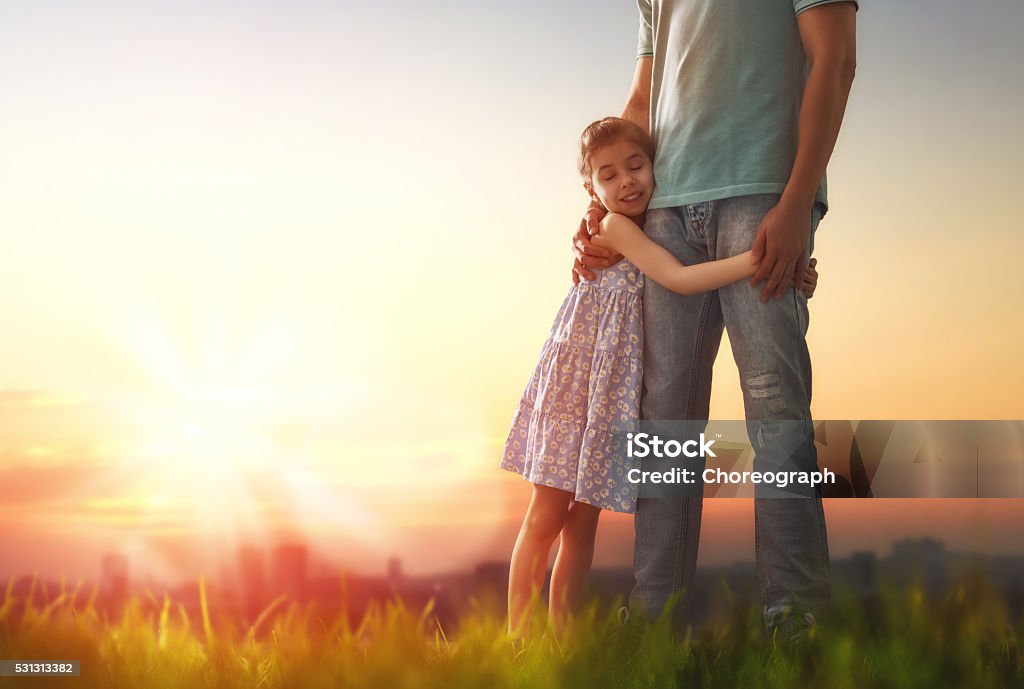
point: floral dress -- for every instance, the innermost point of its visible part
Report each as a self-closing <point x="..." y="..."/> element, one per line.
<point x="585" y="386"/>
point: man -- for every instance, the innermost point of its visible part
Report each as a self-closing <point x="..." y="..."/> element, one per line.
<point x="745" y="99"/>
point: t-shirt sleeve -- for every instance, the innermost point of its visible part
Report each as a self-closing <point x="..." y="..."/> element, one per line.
<point x="645" y="41"/>
<point x="801" y="5"/>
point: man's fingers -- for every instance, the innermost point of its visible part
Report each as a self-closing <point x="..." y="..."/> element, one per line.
<point x="781" y="288"/>
<point x="587" y="254"/>
<point x="764" y="269"/>
<point x="594" y="261"/>
<point x="777" y="276"/>
<point x="577" y="239"/>
<point x="578" y="246"/>
<point x="760" y="239"/>
<point x="580" y="271"/>
<point x="584" y="248"/>
<point x="592" y="219"/>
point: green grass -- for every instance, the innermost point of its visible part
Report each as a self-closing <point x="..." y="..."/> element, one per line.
<point x="963" y="640"/>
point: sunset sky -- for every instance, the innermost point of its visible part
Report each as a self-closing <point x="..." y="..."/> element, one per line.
<point x="281" y="270"/>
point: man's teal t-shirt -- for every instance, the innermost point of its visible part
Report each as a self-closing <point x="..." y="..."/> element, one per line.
<point x="725" y="96"/>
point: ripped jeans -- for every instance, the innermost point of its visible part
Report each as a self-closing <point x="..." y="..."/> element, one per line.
<point x="682" y="335"/>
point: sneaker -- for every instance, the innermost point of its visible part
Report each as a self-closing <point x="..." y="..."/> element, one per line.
<point x="794" y="630"/>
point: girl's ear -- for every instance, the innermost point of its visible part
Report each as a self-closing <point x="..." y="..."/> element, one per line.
<point x="588" y="185"/>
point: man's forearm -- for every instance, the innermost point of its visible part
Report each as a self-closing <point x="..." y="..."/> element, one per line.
<point x="638" y="103"/>
<point x="640" y="115"/>
<point x="821" y="114"/>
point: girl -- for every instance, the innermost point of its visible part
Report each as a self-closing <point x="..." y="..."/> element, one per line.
<point x="587" y="383"/>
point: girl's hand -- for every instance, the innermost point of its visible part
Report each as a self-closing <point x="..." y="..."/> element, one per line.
<point x="810" y="281"/>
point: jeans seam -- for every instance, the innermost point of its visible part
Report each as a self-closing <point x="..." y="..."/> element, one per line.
<point x="800" y="320"/>
<point x="823" y="548"/>
<point x="677" y="582"/>
<point x="709" y="207"/>
<point x="757" y="561"/>
<point x="698" y="351"/>
<point x="684" y="524"/>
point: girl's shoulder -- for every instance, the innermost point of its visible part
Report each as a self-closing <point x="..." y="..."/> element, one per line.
<point x="613" y="226"/>
<point x="616" y="222"/>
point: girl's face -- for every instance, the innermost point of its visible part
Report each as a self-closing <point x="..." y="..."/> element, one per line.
<point x="622" y="177"/>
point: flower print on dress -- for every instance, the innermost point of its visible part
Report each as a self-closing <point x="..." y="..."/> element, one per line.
<point x="584" y="389"/>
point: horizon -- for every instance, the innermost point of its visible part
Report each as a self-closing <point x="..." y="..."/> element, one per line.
<point x="227" y="577"/>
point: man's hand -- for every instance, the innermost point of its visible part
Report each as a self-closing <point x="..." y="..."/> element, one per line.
<point x="779" y="248"/>
<point x="589" y="255"/>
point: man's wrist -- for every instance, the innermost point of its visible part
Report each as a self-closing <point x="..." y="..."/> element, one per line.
<point x="798" y="200"/>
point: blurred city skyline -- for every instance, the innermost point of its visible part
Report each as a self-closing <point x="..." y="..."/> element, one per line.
<point x="260" y="583"/>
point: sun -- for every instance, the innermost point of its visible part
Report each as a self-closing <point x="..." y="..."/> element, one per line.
<point x="207" y="435"/>
<point x="199" y="455"/>
<point x="208" y="431"/>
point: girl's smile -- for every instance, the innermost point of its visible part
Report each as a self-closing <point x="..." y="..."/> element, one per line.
<point x="622" y="177"/>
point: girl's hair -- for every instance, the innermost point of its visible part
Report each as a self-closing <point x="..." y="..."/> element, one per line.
<point x="607" y="131"/>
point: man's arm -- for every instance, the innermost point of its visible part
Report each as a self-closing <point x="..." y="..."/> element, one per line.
<point x="637" y="109"/>
<point x="638" y="103"/>
<point x="828" y="33"/>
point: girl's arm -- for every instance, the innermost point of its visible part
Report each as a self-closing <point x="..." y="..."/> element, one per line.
<point x="621" y="234"/>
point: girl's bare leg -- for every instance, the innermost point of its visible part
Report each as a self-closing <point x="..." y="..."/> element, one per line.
<point x="543" y="521"/>
<point x="572" y="565"/>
